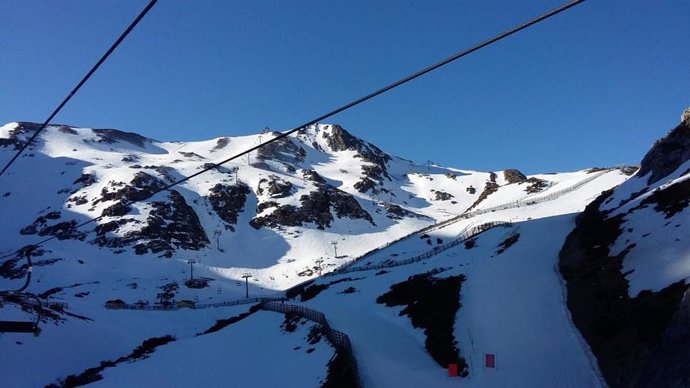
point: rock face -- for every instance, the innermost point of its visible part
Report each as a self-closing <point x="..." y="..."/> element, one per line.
<point x="373" y="172"/>
<point x="667" y="154"/>
<point x="639" y="340"/>
<point x="170" y="225"/>
<point x="283" y="150"/>
<point x="16" y="141"/>
<point x="228" y="201"/>
<point x="514" y="176"/>
<point x="315" y="207"/>
<point x="274" y="187"/>
<point x="622" y="331"/>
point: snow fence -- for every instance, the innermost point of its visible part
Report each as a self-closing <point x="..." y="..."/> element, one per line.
<point x="522" y="202"/>
<point x="467" y="233"/>
<point x="338" y="339"/>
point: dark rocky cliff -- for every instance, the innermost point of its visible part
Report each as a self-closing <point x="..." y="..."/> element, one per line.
<point x="639" y="341"/>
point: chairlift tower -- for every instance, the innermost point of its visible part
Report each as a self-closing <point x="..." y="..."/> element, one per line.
<point x="191" y="263"/>
<point x="246" y="277"/>
<point x="335" y="249"/>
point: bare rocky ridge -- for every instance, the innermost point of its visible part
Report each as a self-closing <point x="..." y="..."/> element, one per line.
<point x="374" y="172"/>
<point x="639" y="341"/>
<point x="317" y="207"/>
<point x="228" y="201"/>
<point x="667" y="154"/>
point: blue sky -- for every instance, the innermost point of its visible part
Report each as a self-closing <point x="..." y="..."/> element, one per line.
<point x="594" y="86"/>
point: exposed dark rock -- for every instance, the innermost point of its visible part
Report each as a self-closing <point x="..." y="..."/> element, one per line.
<point x="117" y="210"/>
<point x="223" y="323"/>
<point x="671" y="200"/>
<point x="442" y="196"/>
<point x="66" y="130"/>
<point x="191" y="155"/>
<point x="514" y="176"/>
<point x="364" y="185"/>
<point x="622" y="331"/>
<point x="14" y="139"/>
<point x="490" y="188"/>
<point x="274" y="187"/>
<point x="142" y="187"/>
<point x="316" y="208"/>
<point x="283" y="150"/>
<point x="265" y="205"/>
<point x="396" y="212"/>
<point x="61" y="230"/>
<point x="341" y="140"/>
<point x="536" y="185"/>
<point x="228" y="201"/>
<point x="222" y="169"/>
<point x="94" y="374"/>
<point x="507" y="243"/>
<point x="629" y="170"/>
<point x="221" y="143"/>
<point x="112" y="136"/>
<point x="431" y="303"/>
<point x="131" y="158"/>
<point x="313" y="176"/>
<point x="86" y="180"/>
<point x="171" y="225"/>
<point x="667" y="154"/>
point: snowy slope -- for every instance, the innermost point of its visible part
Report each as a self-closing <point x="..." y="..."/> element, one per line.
<point x="513" y="305"/>
<point x="275" y="216"/>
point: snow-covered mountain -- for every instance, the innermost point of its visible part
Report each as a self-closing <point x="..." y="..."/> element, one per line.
<point x="419" y="265"/>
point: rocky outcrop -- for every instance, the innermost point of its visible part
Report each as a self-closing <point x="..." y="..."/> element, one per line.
<point x="15" y="140"/>
<point x="667" y="154"/>
<point x="514" y="176"/>
<point x="374" y="170"/>
<point x="313" y="176"/>
<point x="622" y="331"/>
<point x="170" y="225"/>
<point x="274" y="187"/>
<point x="228" y="201"/>
<point x="47" y="225"/>
<point x="536" y="185"/>
<point x="490" y="188"/>
<point x="112" y="136"/>
<point x="316" y="207"/>
<point x="140" y="188"/>
<point x="283" y="150"/>
<point x="395" y="212"/>
<point x="442" y="195"/>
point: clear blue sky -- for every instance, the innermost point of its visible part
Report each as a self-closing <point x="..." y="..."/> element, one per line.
<point x="596" y="85"/>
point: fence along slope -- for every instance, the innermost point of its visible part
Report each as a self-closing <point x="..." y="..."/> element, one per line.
<point x="339" y="339"/>
<point x="519" y="203"/>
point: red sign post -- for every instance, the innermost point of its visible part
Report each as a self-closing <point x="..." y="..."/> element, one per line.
<point x="490" y="360"/>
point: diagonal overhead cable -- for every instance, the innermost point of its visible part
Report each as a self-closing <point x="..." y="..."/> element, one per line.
<point x="81" y="83"/>
<point x="338" y="110"/>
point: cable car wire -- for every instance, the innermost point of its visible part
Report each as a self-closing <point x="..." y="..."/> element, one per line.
<point x="81" y="83"/>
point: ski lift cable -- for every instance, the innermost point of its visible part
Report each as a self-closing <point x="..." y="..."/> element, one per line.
<point x="81" y="83"/>
<point x="336" y="111"/>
